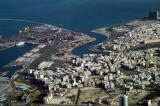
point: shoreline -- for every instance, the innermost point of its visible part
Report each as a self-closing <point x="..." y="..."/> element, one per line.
<point x="107" y="30"/>
<point x="70" y="55"/>
<point x="82" y="39"/>
<point x="119" y="30"/>
<point x="90" y="41"/>
<point x="87" y="39"/>
<point x="73" y="45"/>
<point x="100" y="31"/>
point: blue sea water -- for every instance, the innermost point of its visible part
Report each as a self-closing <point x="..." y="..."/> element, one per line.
<point x="77" y="15"/>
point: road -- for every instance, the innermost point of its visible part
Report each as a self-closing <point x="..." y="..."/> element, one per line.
<point x="51" y="50"/>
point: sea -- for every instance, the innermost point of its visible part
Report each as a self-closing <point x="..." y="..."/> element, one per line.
<point x="77" y="15"/>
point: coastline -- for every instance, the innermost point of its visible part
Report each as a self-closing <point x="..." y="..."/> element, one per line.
<point x="73" y="45"/>
<point x="100" y="31"/>
<point x="86" y="39"/>
<point x="119" y="30"/>
<point x="90" y="39"/>
<point x="107" y="31"/>
<point x="80" y="40"/>
<point x="17" y="76"/>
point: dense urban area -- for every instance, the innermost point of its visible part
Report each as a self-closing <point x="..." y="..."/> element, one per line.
<point x="125" y="71"/>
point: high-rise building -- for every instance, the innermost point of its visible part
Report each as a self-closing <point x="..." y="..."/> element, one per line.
<point x="156" y="76"/>
<point x="154" y="15"/>
<point x="123" y="100"/>
<point x="149" y="103"/>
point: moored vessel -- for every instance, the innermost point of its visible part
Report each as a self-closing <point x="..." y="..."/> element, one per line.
<point x="20" y="44"/>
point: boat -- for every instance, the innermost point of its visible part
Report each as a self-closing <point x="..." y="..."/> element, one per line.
<point x="20" y="44"/>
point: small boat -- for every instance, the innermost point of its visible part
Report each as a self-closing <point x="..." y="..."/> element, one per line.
<point x="20" y="44"/>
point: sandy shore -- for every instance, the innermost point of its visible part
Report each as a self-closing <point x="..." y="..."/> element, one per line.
<point x="101" y="31"/>
<point x="122" y="28"/>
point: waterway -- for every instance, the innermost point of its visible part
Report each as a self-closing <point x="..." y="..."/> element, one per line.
<point x="77" y="15"/>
